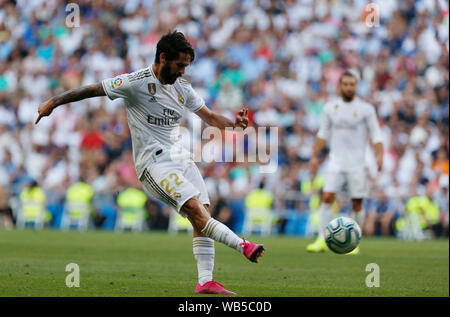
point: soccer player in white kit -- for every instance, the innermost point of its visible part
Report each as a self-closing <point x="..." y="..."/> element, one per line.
<point x="155" y="99"/>
<point x="346" y="123"/>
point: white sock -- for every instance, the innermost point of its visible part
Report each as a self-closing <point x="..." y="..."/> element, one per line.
<point x="221" y="233"/>
<point x="359" y="217"/>
<point x="204" y="255"/>
<point x="325" y="214"/>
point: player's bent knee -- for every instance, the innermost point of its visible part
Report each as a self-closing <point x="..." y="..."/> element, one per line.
<point x="196" y="213"/>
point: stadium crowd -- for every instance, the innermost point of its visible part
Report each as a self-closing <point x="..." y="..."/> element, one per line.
<point x="282" y="59"/>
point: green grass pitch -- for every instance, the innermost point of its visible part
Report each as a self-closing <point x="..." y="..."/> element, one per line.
<point x="158" y="264"/>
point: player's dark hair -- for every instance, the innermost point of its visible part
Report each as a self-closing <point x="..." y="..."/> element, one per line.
<point x="172" y="44"/>
<point x="348" y="73"/>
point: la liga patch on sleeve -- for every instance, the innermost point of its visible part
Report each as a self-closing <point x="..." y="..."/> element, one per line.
<point x="117" y="82"/>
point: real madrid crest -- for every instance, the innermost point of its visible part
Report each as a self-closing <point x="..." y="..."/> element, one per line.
<point x="180" y="99"/>
<point x="151" y="88"/>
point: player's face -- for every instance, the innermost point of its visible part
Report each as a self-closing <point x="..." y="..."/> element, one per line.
<point x="171" y="70"/>
<point x="348" y="87"/>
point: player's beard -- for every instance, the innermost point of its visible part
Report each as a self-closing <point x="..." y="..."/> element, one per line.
<point x="348" y="97"/>
<point x="168" y="77"/>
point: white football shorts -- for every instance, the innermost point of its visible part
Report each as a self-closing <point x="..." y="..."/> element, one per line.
<point x="357" y="183"/>
<point x="174" y="181"/>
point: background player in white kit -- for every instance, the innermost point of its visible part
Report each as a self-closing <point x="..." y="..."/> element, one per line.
<point x="346" y="123"/>
<point x="155" y="99"/>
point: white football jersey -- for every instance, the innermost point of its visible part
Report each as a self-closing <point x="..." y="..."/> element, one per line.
<point x="153" y="111"/>
<point x="347" y="125"/>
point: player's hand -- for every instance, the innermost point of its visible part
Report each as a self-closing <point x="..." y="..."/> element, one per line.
<point x="242" y="118"/>
<point x="313" y="164"/>
<point x="380" y="162"/>
<point x="45" y="109"/>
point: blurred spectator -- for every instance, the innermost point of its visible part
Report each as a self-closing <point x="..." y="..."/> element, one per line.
<point x="131" y="209"/>
<point x="6" y="216"/>
<point x="78" y="207"/>
<point x="222" y="212"/>
<point x="426" y="211"/>
<point x="258" y="213"/>
<point x="441" y="163"/>
<point x="32" y="207"/>
<point x="103" y="201"/>
<point x="380" y="216"/>
<point x="441" y="199"/>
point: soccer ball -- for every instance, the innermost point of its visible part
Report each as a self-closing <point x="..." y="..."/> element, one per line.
<point x="342" y="235"/>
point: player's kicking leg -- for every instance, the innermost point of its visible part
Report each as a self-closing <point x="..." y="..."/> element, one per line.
<point x="325" y="214"/>
<point x="207" y="229"/>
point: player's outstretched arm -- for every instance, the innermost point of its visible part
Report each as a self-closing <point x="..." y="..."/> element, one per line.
<point x="72" y="95"/>
<point x="217" y="120"/>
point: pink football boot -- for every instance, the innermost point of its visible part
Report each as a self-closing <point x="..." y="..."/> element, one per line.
<point x="252" y="251"/>
<point x="212" y="287"/>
